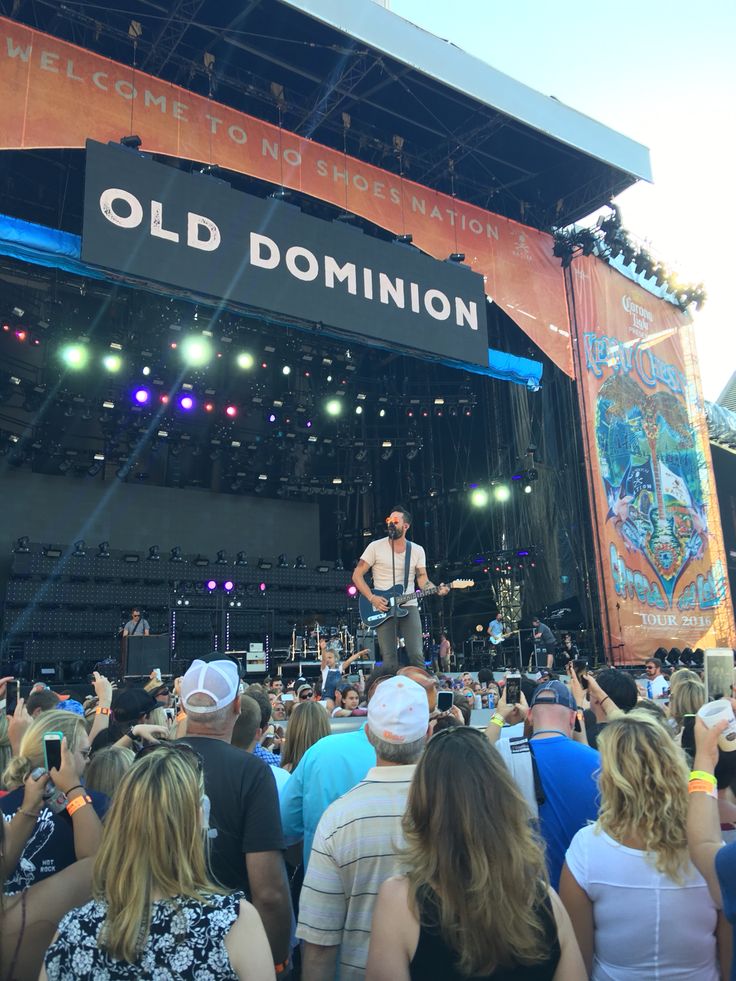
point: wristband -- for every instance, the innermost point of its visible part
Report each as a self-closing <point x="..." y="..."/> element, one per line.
<point x="498" y="720"/>
<point x="78" y="802"/>
<point x="101" y="710"/>
<point x="77" y="786"/>
<point x="703" y="775"/>
<point x="604" y="699"/>
<point x="702" y="787"/>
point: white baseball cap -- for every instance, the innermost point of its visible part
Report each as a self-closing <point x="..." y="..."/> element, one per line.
<point x="398" y="711"/>
<point x="218" y="679"/>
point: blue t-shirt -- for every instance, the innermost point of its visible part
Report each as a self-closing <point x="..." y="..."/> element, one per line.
<point x="50" y="847"/>
<point x="726" y="872"/>
<point x="328" y="769"/>
<point x="567" y="771"/>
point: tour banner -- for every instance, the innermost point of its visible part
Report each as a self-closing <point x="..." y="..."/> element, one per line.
<point x="56" y="94"/>
<point x="661" y="558"/>
<point x="154" y="223"/>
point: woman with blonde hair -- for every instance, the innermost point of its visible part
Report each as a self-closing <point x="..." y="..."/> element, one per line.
<point x="308" y="723"/>
<point x="639" y="908"/>
<point x="63" y="832"/>
<point x="107" y="768"/>
<point x="475" y="902"/>
<point x="155" y="912"/>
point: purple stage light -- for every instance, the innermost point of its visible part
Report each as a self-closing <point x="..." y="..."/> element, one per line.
<point x="262" y="587"/>
<point x="211" y="584"/>
<point x="272" y="418"/>
<point x="186" y="402"/>
<point x="141" y="395"/>
<point x="228" y="586"/>
<point x="352" y="590"/>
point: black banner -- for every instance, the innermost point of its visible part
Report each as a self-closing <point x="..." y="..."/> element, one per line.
<point x="152" y="222"/>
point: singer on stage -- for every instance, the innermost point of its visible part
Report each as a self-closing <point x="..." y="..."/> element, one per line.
<point x="388" y="571"/>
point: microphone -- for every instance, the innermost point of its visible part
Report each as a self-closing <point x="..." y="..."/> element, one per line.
<point x="393" y="531"/>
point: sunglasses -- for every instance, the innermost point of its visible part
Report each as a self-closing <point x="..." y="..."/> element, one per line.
<point x="304" y="695"/>
<point x="181" y="748"/>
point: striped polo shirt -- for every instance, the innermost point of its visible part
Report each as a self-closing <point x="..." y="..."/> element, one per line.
<point x="354" y="852"/>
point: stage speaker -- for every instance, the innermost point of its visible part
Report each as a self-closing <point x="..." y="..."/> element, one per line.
<point x="143" y="654"/>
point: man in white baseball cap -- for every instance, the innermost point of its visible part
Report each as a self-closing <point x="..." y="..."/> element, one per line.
<point x="354" y="849"/>
<point x="247" y="843"/>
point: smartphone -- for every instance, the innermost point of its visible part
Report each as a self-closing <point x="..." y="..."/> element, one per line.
<point x="353" y="679"/>
<point x="513" y="689"/>
<point x="287" y="696"/>
<point x="157" y="672"/>
<point x="52" y="749"/>
<point x="581" y="670"/>
<point x="719" y="673"/>
<point x="444" y="701"/>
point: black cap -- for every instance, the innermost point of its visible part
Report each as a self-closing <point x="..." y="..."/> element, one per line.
<point x="131" y="703"/>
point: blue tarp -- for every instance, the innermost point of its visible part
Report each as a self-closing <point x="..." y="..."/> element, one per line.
<point x="61" y="250"/>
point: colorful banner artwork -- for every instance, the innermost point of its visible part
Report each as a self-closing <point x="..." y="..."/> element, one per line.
<point x="661" y="559"/>
<point x="46" y="82"/>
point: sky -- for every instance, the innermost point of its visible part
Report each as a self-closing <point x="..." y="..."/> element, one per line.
<point x="663" y="74"/>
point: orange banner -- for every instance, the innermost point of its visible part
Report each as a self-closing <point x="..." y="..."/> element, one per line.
<point x="58" y="95"/>
<point x="661" y="558"/>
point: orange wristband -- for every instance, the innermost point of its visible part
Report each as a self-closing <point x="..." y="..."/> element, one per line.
<point x="702" y="787"/>
<point x="76" y="803"/>
<point x="102" y="711"/>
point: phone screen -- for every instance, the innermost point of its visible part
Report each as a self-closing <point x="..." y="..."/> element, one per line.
<point x="444" y="701"/>
<point x="513" y="690"/>
<point x="52" y="749"/>
<point x="287" y="696"/>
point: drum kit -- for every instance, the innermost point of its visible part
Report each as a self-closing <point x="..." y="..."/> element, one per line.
<point x="305" y="639"/>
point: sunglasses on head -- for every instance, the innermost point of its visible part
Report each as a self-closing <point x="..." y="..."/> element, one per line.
<point x="180" y="748"/>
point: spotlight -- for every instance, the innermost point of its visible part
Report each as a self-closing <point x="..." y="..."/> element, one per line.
<point x="52" y="551"/>
<point x="21" y="546"/>
<point x="112" y="363"/>
<point x="196" y="351"/>
<point x="176" y="555"/>
<point x="264" y="563"/>
<point x="352" y="590"/>
<point x="132" y="142"/>
<point x="245" y="360"/>
<point x="322" y="568"/>
<point x="527" y="488"/>
<point x="283" y="562"/>
<point x="221" y="557"/>
<point x="142" y="396"/>
<point x="479" y="497"/>
<point x="231" y="411"/>
<point x="186" y="402"/>
<point x="333" y="407"/>
<point x="501" y="492"/>
<point x="154" y="553"/>
<point x="286" y="370"/>
<point x="300" y="563"/>
<point x="228" y="585"/>
<point x="339" y="567"/>
<point x="103" y="550"/>
<point x="262" y="587"/>
<point x="240" y="559"/>
<point x="75" y="356"/>
<point x="211" y="585"/>
<point x="404" y="239"/>
<point x="209" y="407"/>
<point x="456" y="257"/>
<point x="79" y="548"/>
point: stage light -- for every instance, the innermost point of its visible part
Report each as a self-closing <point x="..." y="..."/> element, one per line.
<point x="21" y="546"/>
<point x="132" y="142"/>
<point x="79" y="548"/>
<point x="221" y="557"/>
<point x="141" y="396"/>
<point x="352" y="590"/>
<point x="479" y="497"/>
<point x="501" y="492"/>
<point x="186" y="402"/>
<point x="196" y="351"/>
<point x="382" y="413"/>
<point x="245" y="360"/>
<point x="404" y="239"/>
<point x="359" y="410"/>
<point x="264" y="563"/>
<point x="103" y="550"/>
<point x="286" y="370"/>
<point x="211" y="585"/>
<point x="21" y="335"/>
<point x="333" y="407"/>
<point x="262" y="587"/>
<point x="112" y="363"/>
<point x="527" y="488"/>
<point x="272" y="418"/>
<point x="339" y="567"/>
<point x="321" y="568"/>
<point x="176" y="555"/>
<point x="154" y="553"/>
<point x="75" y="356"/>
<point x="209" y="407"/>
<point x="228" y="585"/>
<point x="231" y="411"/>
<point x="145" y="370"/>
<point x="456" y="257"/>
<point x="283" y="562"/>
<point x="300" y="563"/>
<point x="240" y="559"/>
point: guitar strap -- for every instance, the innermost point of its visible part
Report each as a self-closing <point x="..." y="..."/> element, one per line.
<point x="407" y="561"/>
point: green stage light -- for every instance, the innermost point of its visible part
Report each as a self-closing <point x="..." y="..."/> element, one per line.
<point x="333" y="407"/>
<point x="245" y="360"/>
<point x="479" y="497"/>
<point x="501" y="492"/>
<point x="75" y="356"/>
<point x="112" y="363"/>
<point x="196" y="351"/>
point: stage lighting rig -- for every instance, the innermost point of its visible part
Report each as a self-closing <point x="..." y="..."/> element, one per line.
<point x="241" y="559"/>
<point x="221" y="557"/>
<point x="176" y="555"/>
<point x="283" y="562"/>
<point x="22" y="545"/>
<point x="103" y="550"/>
<point x="79" y="549"/>
<point x="154" y="553"/>
<point x="300" y="563"/>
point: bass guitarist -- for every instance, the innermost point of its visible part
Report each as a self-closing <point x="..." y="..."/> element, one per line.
<point x="386" y="559"/>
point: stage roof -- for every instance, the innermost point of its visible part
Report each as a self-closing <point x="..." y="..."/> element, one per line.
<point x="413" y="101"/>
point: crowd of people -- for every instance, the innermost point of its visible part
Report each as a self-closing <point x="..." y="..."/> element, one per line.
<point x="352" y="829"/>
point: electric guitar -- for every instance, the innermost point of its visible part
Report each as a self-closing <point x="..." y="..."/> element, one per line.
<point x="502" y="637"/>
<point x="374" y="618"/>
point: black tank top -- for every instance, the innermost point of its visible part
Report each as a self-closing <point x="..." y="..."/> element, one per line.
<point x="434" y="960"/>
